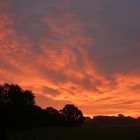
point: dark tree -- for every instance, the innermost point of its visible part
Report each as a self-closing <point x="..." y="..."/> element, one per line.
<point x="3" y="96"/>
<point x="72" y="115"/>
<point x="51" y="111"/>
<point x="14" y="95"/>
<point x="54" y="117"/>
<point x="28" y="97"/>
<point x="18" y="111"/>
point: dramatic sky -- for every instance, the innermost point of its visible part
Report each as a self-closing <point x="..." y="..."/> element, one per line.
<point x="84" y="52"/>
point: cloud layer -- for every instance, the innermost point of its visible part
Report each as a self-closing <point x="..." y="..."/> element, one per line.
<point x="74" y="51"/>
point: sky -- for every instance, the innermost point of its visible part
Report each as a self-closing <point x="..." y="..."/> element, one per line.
<point x="82" y="52"/>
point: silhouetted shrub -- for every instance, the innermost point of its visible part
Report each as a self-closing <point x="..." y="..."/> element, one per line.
<point x="72" y="115"/>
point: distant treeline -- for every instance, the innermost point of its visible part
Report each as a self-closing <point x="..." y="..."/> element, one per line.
<point x="19" y="111"/>
<point x="112" y="121"/>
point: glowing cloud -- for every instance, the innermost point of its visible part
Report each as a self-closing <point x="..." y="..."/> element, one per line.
<point x="74" y="51"/>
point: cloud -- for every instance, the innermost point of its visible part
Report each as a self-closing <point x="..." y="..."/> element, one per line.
<point x="73" y="51"/>
<point x="135" y="88"/>
<point x="50" y="91"/>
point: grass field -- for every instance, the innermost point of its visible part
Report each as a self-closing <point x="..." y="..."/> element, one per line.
<point x="81" y="133"/>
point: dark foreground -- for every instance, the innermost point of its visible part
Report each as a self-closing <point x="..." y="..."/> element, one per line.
<point x="79" y="133"/>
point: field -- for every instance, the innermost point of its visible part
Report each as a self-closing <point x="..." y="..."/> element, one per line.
<point x="78" y="133"/>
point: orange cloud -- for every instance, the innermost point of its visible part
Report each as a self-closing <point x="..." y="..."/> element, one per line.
<point x="67" y="53"/>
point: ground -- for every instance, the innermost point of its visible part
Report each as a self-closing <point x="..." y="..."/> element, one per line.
<point x="79" y="133"/>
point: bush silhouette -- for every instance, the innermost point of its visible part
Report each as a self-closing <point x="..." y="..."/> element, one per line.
<point x="72" y="115"/>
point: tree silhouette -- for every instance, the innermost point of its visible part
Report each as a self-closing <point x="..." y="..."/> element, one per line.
<point x="52" y="111"/>
<point x="18" y="111"/>
<point x="14" y="95"/>
<point x="20" y="105"/>
<point x="28" y="97"/>
<point x="3" y="96"/>
<point x="72" y="115"/>
<point x="54" y="116"/>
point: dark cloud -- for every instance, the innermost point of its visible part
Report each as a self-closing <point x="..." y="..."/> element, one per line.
<point x="50" y="91"/>
<point x="135" y="88"/>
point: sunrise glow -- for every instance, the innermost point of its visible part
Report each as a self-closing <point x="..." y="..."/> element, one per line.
<point x="74" y="51"/>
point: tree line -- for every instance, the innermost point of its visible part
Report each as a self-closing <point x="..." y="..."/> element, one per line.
<point x="19" y="110"/>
